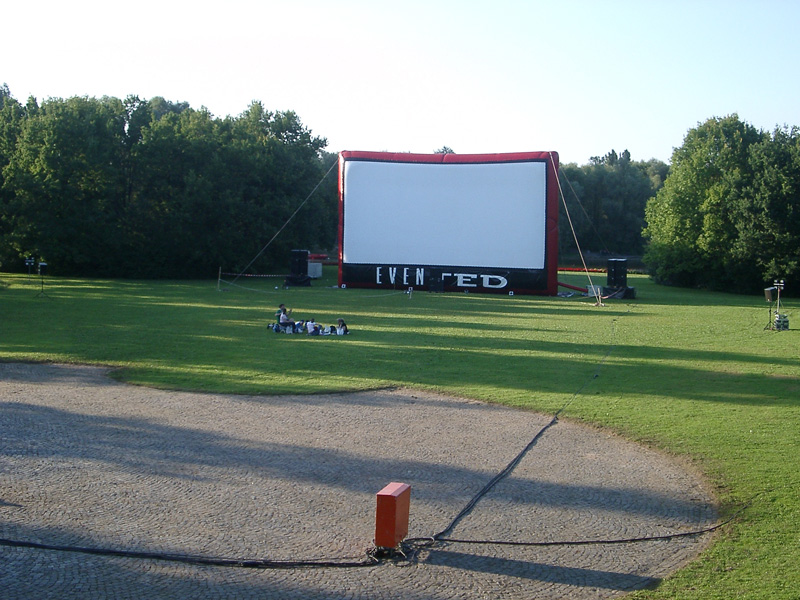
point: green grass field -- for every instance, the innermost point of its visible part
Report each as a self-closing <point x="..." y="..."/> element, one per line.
<point x="691" y="372"/>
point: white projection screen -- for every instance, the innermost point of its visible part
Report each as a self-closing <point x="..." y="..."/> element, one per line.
<point x="447" y="222"/>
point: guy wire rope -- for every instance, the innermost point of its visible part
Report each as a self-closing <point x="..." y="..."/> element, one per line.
<point x="277" y="233"/>
<point x="575" y="236"/>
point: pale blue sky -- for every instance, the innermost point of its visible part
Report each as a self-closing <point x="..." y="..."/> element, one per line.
<point x="577" y="77"/>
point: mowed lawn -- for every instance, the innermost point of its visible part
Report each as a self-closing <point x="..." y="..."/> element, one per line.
<point x="691" y="372"/>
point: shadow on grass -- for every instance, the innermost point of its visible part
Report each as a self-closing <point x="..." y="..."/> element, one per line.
<point x="186" y="336"/>
<point x="535" y="368"/>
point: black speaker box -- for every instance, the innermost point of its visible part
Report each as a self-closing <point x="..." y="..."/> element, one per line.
<point x="299" y="265"/>
<point x="617" y="273"/>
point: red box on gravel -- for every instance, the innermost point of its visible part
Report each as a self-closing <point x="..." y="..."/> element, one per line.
<point x="391" y="517"/>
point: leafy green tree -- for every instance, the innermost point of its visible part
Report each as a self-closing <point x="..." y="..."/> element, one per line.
<point x="279" y="164"/>
<point x="159" y="107"/>
<point x="325" y="205"/>
<point x="691" y="222"/>
<point x="768" y="212"/>
<point x="656" y="172"/>
<point x="179" y="213"/>
<point x="63" y="185"/>
<point x="12" y="114"/>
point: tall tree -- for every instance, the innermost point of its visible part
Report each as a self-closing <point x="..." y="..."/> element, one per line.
<point x="12" y="114"/>
<point x="280" y="162"/>
<point x="768" y="212"/>
<point x="64" y="183"/>
<point x="691" y="221"/>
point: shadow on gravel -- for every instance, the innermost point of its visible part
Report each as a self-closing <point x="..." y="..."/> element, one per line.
<point x="541" y="572"/>
<point x="157" y="449"/>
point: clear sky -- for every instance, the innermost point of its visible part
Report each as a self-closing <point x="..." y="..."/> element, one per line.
<point x="577" y="77"/>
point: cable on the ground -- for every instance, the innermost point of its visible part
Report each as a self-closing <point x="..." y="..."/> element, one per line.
<point x="250" y="289"/>
<point x="372" y="556"/>
<point x="516" y="460"/>
<point x="343" y="562"/>
<point x="418" y="543"/>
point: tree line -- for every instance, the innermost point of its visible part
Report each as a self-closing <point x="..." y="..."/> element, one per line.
<point x="151" y="188"/>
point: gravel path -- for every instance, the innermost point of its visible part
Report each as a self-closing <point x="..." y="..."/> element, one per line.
<point x="86" y="461"/>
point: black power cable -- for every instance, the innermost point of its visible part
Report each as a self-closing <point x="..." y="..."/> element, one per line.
<point x="416" y="543"/>
<point x="345" y="562"/>
<point x="494" y="481"/>
<point x="516" y="460"/>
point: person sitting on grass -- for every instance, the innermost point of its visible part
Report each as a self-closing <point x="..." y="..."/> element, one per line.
<point x="313" y="328"/>
<point x="284" y="316"/>
<point x="286" y="322"/>
<point x="341" y="327"/>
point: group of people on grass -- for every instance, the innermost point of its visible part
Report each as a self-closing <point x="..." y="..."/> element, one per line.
<point x="284" y="322"/>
